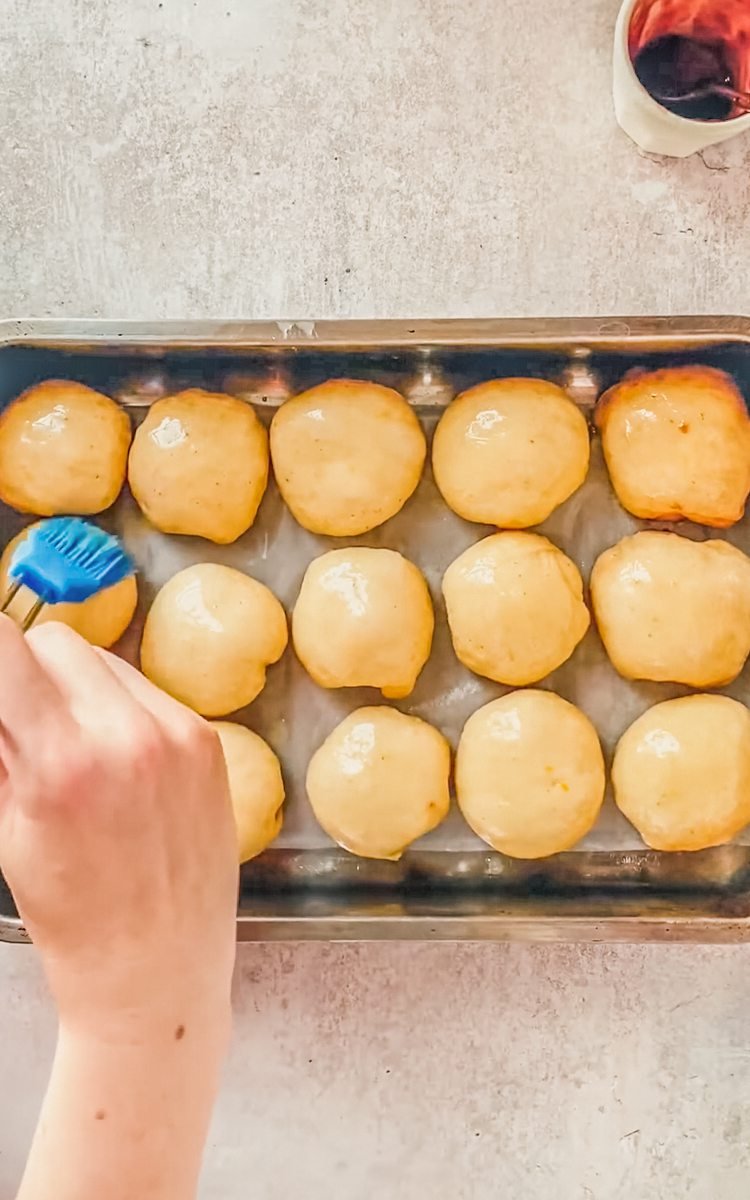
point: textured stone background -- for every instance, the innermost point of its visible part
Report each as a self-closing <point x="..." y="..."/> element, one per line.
<point x="316" y="158"/>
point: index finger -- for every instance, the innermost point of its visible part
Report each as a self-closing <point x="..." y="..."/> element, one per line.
<point x="28" y="697"/>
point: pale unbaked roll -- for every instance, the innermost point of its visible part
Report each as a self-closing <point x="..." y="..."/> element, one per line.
<point x="199" y="465"/>
<point x="515" y="607"/>
<point x="508" y="452"/>
<point x="671" y="609"/>
<point x="530" y="774"/>
<point x="681" y="772"/>
<point x="379" y="781"/>
<point x="63" y="449"/>
<point x="209" y="636"/>
<point x="363" y="618"/>
<point x="256" y="787"/>
<point x="347" y="455"/>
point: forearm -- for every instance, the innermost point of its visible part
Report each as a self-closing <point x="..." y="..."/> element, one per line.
<point x="126" y="1121"/>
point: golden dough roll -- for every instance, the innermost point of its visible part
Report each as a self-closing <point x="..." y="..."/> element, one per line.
<point x="256" y="787"/>
<point x="363" y="618"/>
<point x="510" y="451"/>
<point x="347" y="455"/>
<point x="209" y="636"/>
<point x="677" y="444"/>
<point x="379" y="781"/>
<point x="199" y="465"/>
<point x="530" y="774"/>
<point x="63" y="449"/>
<point x="515" y="607"/>
<point x="681" y="772"/>
<point x="101" y="620"/>
<point x="673" y="610"/>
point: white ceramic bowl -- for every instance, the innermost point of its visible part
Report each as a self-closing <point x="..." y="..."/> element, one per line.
<point x="652" y="127"/>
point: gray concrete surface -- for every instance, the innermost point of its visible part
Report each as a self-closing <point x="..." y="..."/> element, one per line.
<point x="388" y="158"/>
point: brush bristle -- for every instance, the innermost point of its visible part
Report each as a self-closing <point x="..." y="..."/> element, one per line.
<point x="89" y="547"/>
<point x="66" y="559"/>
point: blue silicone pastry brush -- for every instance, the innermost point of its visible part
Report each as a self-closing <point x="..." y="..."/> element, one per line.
<point x="65" y="560"/>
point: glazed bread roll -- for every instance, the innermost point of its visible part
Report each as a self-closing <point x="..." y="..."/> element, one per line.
<point x="681" y="772"/>
<point x="670" y="609"/>
<point x="199" y="465"/>
<point x="530" y="774"/>
<point x="508" y="452"/>
<point x="209" y="636"/>
<point x="255" y="786"/>
<point x="63" y="449"/>
<point x="363" y="618"/>
<point x="380" y="781"/>
<point x="347" y="455"/>
<point x="677" y="444"/>
<point x="515" y="607"/>
<point x="101" y="620"/>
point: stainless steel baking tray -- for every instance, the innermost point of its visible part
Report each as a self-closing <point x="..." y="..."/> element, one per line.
<point x="448" y="885"/>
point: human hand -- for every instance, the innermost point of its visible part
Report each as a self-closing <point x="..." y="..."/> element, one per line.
<point x="117" y="839"/>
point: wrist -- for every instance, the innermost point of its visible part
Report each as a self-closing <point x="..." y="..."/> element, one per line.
<point x="203" y="1028"/>
<point x="117" y="1087"/>
<point x="164" y="1069"/>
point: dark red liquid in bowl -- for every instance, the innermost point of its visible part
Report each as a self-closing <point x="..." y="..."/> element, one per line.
<point x="678" y="46"/>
